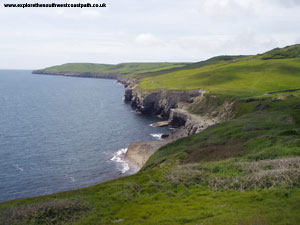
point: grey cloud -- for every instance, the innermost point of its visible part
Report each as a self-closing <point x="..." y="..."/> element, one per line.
<point x="287" y="3"/>
<point x="151" y="30"/>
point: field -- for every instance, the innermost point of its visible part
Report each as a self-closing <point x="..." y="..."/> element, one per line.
<point x="243" y="78"/>
<point x="133" y="69"/>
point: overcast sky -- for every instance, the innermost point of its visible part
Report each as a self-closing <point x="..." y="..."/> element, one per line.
<point x="143" y="31"/>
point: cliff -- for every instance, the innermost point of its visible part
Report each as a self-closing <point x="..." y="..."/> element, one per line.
<point x="139" y="152"/>
<point x="174" y="106"/>
<point x="158" y="102"/>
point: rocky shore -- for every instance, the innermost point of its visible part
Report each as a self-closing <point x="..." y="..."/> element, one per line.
<point x="172" y="105"/>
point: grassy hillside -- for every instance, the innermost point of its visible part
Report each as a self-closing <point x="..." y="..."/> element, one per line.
<point x="122" y="69"/>
<point x="283" y="53"/>
<point x="78" y="67"/>
<point x="244" y="171"/>
<point x="214" y="60"/>
<point x="238" y="78"/>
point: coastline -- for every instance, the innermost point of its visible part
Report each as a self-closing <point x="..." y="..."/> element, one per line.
<point x="170" y="105"/>
<point x="77" y="74"/>
<point x="243" y="168"/>
<point x="174" y="106"/>
<point x="137" y="153"/>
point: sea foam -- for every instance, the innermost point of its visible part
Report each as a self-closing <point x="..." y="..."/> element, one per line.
<point x="119" y="157"/>
<point x="19" y="168"/>
<point x="157" y="136"/>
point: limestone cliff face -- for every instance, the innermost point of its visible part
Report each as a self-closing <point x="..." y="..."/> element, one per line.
<point x="174" y="104"/>
<point x="193" y="124"/>
<point x="158" y="102"/>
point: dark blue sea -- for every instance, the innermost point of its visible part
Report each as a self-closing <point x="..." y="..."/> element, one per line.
<point x="61" y="133"/>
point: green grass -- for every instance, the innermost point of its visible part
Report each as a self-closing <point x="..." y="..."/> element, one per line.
<point x="234" y="76"/>
<point x="78" y="67"/>
<point x="257" y="133"/>
<point x="210" y="61"/>
<point x="134" y="69"/>
<point x="237" y="79"/>
<point x="136" y="201"/>
<point x="283" y="53"/>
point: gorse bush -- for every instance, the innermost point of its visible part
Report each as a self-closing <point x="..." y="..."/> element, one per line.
<point x="53" y="212"/>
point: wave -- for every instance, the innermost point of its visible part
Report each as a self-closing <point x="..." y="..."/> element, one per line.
<point x="73" y="159"/>
<point x="70" y="178"/>
<point x="157" y="136"/>
<point x="119" y="157"/>
<point x="19" y="168"/>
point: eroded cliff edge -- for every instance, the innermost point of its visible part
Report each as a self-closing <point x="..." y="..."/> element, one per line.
<point x="187" y="112"/>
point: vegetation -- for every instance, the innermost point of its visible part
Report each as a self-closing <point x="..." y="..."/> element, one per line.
<point x="283" y="53"/>
<point x="238" y="79"/>
<point x="214" y="60"/>
<point x="244" y="171"/>
<point x="263" y="129"/>
<point x="235" y="77"/>
<point x="133" y="69"/>
<point x="51" y="212"/>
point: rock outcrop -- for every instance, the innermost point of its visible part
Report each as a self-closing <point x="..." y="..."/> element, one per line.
<point x="173" y="105"/>
<point x="158" y="102"/>
<point x="139" y="152"/>
<point x="160" y="124"/>
<point x="191" y="123"/>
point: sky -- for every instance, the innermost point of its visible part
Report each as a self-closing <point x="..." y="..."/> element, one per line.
<point x="143" y="31"/>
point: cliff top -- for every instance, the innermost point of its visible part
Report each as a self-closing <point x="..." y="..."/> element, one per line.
<point x="120" y="69"/>
<point x="237" y="77"/>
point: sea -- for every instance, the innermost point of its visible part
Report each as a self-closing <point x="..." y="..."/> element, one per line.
<point x="62" y="133"/>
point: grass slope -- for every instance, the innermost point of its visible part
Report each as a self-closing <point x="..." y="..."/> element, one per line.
<point x="211" y="61"/>
<point x="122" y="69"/>
<point x="237" y="78"/>
<point x="292" y="51"/>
